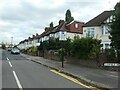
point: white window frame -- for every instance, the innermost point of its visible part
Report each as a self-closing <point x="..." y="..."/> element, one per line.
<point x="105" y="30"/>
<point x="91" y="30"/>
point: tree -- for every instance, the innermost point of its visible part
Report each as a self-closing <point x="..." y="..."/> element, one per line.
<point x="115" y="30"/>
<point x="3" y="46"/>
<point x="68" y="17"/>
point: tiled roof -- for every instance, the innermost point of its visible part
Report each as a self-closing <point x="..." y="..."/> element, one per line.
<point x="98" y="20"/>
<point x="54" y="29"/>
<point x="117" y="5"/>
<point x="26" y="40"/>
<point x="49" y="30"/>
<point x="58" y="27"/>
<point x="63" y="27"/>
<point x="38" y="36"/>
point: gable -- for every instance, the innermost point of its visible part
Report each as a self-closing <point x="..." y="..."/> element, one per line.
<point x="98" y="20"/>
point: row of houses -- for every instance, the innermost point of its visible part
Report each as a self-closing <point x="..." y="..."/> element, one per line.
<point x="97" y="27"/>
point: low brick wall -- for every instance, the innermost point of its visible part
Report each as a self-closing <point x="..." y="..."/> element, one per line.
<point x="51" y="56"/>
<point x="71" y="60"/>
<point x="88" y="63"/>
<point x="75" y="61"/>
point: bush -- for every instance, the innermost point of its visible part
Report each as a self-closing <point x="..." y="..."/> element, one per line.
<point x="110" y="53"/>
<point x="85" y="48"/>
<point x="32" y="50"/>
<point x="55" y="44"/>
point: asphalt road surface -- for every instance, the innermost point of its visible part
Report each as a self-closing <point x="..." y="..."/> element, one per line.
<point x="18" y="72"/>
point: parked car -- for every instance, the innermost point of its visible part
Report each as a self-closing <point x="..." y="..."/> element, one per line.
<point x="9" y="49"/>
<point x="15" y="51"/>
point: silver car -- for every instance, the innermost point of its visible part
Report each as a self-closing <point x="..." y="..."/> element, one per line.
<point x="15" y="51"/>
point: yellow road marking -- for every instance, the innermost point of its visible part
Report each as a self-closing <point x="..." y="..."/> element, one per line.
<point x="71" y="79"/>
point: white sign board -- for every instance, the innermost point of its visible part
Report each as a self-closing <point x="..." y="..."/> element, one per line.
<point x="62" y="35"/>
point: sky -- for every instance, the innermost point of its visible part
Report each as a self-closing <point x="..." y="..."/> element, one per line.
<point x="23" y="18"/>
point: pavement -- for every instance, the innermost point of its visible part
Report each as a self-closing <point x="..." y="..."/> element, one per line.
<point x="98" y="77"/>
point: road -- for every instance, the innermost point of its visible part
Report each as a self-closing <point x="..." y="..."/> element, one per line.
<point x="18" y="72"/>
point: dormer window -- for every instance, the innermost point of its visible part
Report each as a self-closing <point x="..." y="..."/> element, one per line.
<point x="76" y="25"/>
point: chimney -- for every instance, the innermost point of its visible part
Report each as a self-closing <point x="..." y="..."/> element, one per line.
<point x="46" y="28"/>
<point x="61" y="21"/>
<point x="28" y="37"/>
<point x="36" y="34"/>
<point x="33" y="36"/>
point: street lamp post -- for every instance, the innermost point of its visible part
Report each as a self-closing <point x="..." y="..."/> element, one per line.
<point x="63" y="38"/>
<point x="62" y="57"/>
<point x="11" y="42"/>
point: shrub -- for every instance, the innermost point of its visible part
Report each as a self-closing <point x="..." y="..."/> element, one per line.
<point x="110" y="53"/>
<point x="55" y="44"/>
<point x="85" y="48"/>
<point x="32" y="50"/>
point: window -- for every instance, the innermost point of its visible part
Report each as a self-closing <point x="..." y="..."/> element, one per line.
<point x="57" y="35"/>
<point x="37" y="40"/>
<point x="76" y="25"/>
<point x="107" y="46"/>
<point x="90" y="32"/>
<point x="105" y="30"/>
<point x="102" y="30"/>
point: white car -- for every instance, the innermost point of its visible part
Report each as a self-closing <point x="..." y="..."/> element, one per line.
<point x="15" y="51"/>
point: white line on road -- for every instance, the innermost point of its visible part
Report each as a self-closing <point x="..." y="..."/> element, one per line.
<point x="17" y="80"/>
<point x="15" y="75"/>
<point x="7" y="58"/>
<point x="10" y="64"/>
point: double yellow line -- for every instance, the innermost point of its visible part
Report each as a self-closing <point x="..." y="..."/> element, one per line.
<point x="72" y="79"/>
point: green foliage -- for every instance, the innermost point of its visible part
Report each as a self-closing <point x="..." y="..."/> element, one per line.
<point x="115" y="32"/>
<point x="32" y="50"/>
<point x="95" y="49"/>
<point x="85" y="48"/>
<point x="55" y="44"/>
<point x="110" y="53"/>
<point x="3" y="46"/>
<point x="68" y="17"/>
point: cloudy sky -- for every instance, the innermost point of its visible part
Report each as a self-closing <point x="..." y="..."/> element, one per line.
<point x="23" y="18"/>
